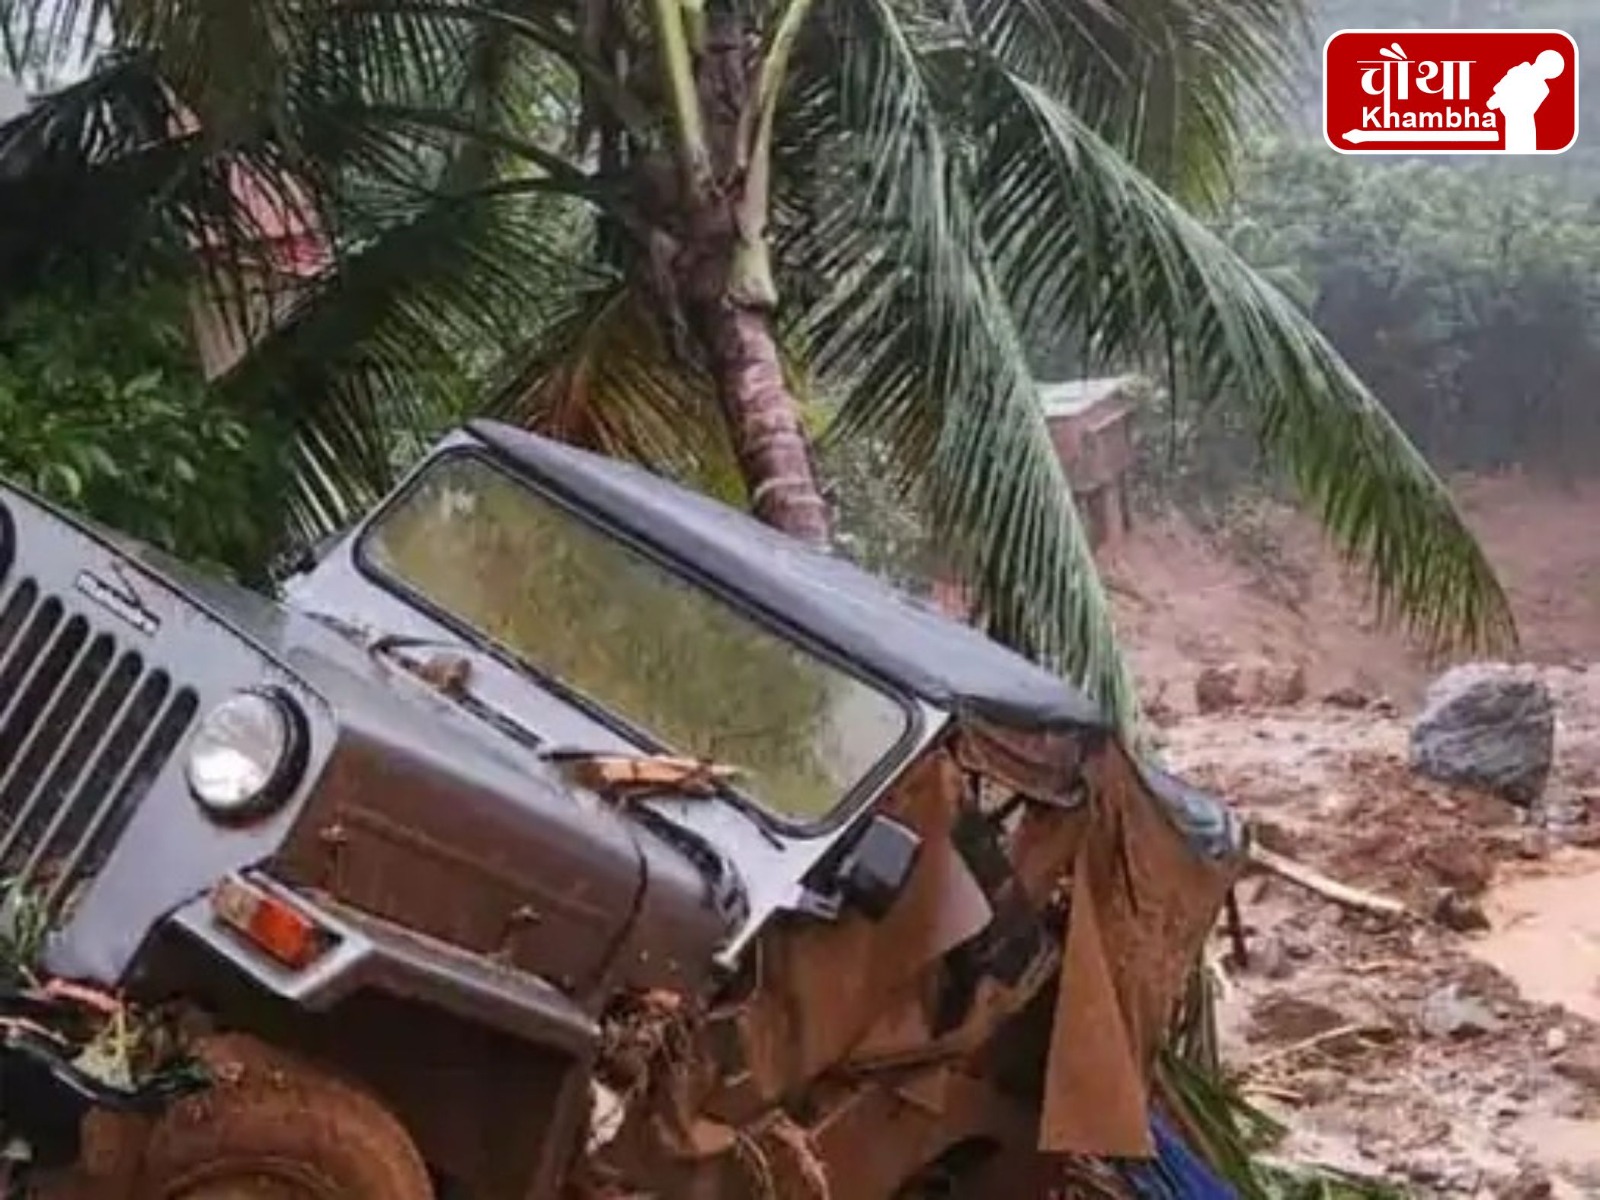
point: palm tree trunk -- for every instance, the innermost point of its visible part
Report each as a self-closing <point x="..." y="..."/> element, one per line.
<point x="726" y="273"/>
<point x="763" y="419"/>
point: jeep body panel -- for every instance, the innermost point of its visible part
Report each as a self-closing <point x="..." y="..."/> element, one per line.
<point x="777" y="866"/>
<point x="548" y="876"/>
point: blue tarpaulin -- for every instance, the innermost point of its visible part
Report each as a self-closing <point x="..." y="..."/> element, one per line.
<point x="1176" y="1173"/>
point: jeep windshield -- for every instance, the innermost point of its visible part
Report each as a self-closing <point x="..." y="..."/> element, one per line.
<point x="681" y="667"/>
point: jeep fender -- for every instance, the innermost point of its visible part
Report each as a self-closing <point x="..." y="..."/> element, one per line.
<point x="373" y="955"/>
<point x="372" y="958"/>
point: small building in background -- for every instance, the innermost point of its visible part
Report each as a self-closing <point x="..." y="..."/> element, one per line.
<point x="289" y="256"/>
<point x="1091" y="425"/>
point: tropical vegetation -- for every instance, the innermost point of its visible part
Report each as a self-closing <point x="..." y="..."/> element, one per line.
<point x="657" y="226"/>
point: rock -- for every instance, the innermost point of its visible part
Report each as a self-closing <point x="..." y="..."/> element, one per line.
<point x="1488" y="726"/>
<point x="1298" y="948"/>
<point x="1555" y="1041"/>
<point x="1317" y="1085"/>
<point x="1534" y="845"/>
<point x="1459" y="863"/>
<point x="1286" y="688"/>
<point x="1427" y="1166"/>
<point x="1347" y="697"/>
<point x="1448" y="1014"/>
<point x="1460" y="912"/>
<point x="1530" y="1183"/>
<point x="1216" y="689"/>
<point x="1581" y="1066"/>
<point x="1269" y="958"/>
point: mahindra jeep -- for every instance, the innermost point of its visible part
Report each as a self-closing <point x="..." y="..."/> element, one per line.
<point x="561" y="832"/>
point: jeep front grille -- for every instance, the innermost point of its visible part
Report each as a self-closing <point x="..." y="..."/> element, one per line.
<point x="86" y="725"/>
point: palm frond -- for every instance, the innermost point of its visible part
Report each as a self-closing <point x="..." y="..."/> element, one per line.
<point x="111" y="172"/>
<point x="1084" y="239"/>
<point x="918" y="334"/>
<point x="372" y="351"/>
<point x="606" y="376"/>
<point x="1171" y="84"/>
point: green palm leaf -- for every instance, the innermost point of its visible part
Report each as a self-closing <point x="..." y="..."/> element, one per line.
<point x="1171" y="84"/>
<point x="922" y="342"/>
<point x="371" y="353"/>
<point x="1083" y="238"/>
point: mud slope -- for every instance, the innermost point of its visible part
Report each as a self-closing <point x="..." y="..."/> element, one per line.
<point x="1455" y="1049"/>
<point x="1272" y="591"/>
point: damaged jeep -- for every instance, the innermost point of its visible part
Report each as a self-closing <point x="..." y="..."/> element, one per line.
<point x="560" y="832"/>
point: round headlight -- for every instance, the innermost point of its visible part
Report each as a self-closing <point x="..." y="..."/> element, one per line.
<point x="245" y="755"/>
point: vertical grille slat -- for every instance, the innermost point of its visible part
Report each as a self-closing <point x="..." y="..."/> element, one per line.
<point x="8" y="543"/>
<point x="11" y="617"/>
<point x="26" y="791"/>
<point x="86" y="727"/>
<point x="115" y="805"/>
<point x="26" y="656"/>
<point x="25" y="749"/>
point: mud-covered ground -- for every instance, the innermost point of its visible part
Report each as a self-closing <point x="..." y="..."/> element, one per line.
<point x="1456" y="1049"/>
<point x="1461" y="1060"/>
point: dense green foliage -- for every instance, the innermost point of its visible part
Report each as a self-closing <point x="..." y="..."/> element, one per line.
<point x="104" y="409"/>
<point x="1462" y="289"/>
<point x="927" y="189"/>
<point x="1467" y="297"/>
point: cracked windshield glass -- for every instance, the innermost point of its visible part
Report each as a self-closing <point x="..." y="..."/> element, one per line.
<point x="666" y="656"/>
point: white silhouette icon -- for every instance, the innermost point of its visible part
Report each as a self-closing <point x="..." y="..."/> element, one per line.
<point x="1518" y="97"/>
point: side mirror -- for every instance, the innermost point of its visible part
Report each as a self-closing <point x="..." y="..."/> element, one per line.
<point x="875" y="871"/>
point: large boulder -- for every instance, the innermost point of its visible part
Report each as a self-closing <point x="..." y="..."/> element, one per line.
<point x="1489" y="726"/>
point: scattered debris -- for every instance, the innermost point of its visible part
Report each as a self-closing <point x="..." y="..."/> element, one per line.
<point x="1492" y="1101"/>
<point x="1221" y="688"/>
<point x="1352" y="698"/>
<point x="621" y="775"/>
<point x="1448" y="1013"/>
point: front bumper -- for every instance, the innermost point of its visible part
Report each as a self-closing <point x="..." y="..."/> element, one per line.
<point x="45" y="1094"/>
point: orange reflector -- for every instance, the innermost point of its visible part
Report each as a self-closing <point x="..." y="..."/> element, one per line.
<point x="268" y="923"/>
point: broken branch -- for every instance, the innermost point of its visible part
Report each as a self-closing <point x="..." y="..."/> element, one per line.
<point x="1330" y="889"/>
<point x="1318" y="1041"/>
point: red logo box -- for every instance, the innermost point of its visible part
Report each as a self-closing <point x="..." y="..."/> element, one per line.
<point x="1450" y="91"/>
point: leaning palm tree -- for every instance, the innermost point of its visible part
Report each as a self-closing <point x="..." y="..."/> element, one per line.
<point x="662" y="222"/>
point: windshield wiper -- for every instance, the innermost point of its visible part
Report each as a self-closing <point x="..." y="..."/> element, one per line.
<point x="450" y="673"/>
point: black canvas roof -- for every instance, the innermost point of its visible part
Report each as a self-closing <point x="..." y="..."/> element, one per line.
<point x="920" y="649"/>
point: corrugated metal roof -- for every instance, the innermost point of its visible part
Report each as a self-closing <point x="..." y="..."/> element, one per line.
<point x="1078" y="396"/>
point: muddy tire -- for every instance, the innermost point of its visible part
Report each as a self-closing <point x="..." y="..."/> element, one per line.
<point x="273" y="1128"/>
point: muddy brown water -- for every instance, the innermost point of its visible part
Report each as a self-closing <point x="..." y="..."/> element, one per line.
<point x="1546" y="934"/>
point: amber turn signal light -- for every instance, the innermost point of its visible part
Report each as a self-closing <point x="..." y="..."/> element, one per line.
<point x="272" y="925"/>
